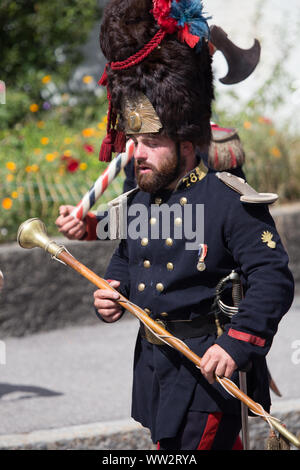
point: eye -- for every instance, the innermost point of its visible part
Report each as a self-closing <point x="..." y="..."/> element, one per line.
<point x="151" y="143"/>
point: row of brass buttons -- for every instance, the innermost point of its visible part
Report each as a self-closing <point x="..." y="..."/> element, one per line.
<point x="159" y="287"/>
<point x="169" y="266"/>
<point x="183" y="201"/>
<point x="178" y="221"/>
<point x="145" y="241"/>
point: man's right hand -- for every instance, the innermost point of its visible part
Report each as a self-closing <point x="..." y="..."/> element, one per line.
<point x="68" y="225"/>
<point x="106" y="303"/>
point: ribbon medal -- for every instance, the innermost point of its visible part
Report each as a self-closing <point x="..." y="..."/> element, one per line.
<point x="202" y="255"/>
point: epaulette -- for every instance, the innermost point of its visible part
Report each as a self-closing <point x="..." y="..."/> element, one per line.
<point x="117" y="215"/>
<point x="226" y="150"/>
<point x="248" y="194"/>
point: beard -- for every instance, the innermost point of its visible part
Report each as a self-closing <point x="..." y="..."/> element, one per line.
<point x="159" y="177"/>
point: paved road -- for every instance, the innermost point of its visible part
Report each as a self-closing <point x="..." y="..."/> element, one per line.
<point x="82" y="375"/>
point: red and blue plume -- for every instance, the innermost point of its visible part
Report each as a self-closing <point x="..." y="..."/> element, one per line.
<point x="184" y="16"/>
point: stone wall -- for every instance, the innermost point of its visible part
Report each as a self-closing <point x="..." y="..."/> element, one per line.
<point x="41" y="294"/>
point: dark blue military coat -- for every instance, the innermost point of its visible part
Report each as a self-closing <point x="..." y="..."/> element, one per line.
<point x="161" y="276"/>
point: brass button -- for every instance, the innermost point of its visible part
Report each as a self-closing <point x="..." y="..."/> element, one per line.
<point x="141" y="287"/>
<point x="160" y="287"/>
<point x="158" y="200"/>
<point x="148" y="311"/>
<point x="178" y="221"/>
<point x="170" y="266"/>
<point x="147" y="263"/>
<point x="164" y="314"/>
<point x="183" y="201"/>
<point x="153" y="221"/>
<point x="144" y="241"/>
<point x="169" y="242"/>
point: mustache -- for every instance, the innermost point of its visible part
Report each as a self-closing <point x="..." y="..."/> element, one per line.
<point x="143" y="166"/>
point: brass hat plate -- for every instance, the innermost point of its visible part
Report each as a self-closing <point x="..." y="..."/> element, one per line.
<point x="140" y="116"/>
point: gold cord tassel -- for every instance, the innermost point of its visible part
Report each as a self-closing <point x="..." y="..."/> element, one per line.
<point x="275" y="442"/>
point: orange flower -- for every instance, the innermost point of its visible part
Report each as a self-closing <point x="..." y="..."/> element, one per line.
<point x="7" y="203"/>
<point x="83" y="166"/>
<point x="247" y="125"/>
<point x="88" y="132"/>
<point x="34" y="107"/>
<point x="101" y="126"/>
<point x="9" y="177"/>
<point x="34" y="168"/>
<point x="46" y="79"/>
<point x="14" y="195"/>
<point x="275" y="151"/>
<point x="87" y="79"/>
<point x="50" y="157"/>
<point x="40" y="124"/>
<point x="11" y="166"/>
<point x="44" y="140"/>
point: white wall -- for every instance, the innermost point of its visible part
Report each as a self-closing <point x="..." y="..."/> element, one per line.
<point x="268" y="21"/>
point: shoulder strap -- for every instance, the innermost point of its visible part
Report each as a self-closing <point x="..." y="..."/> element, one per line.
<point x="248" y="194"/>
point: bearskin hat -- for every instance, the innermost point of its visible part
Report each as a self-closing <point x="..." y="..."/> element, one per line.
<point x="162" y="50"/>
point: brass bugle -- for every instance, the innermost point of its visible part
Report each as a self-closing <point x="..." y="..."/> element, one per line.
<point x="32" y="233"/>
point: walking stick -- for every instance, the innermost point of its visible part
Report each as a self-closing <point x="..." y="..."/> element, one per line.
<point x="32" y="233"/>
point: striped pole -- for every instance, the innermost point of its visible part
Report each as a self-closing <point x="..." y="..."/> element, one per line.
<point x="98" y="188"/>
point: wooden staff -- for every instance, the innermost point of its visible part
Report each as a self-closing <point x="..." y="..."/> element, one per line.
<point x="32" y="233"/>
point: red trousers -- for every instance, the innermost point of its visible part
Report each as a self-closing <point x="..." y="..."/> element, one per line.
<point x="206" y="431"/>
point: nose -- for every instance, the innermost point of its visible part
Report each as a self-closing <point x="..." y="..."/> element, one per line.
<point x="140" y="153"/>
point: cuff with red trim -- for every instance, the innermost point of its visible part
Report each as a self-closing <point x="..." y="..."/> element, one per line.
<point x="242" y="336"/>
<point x="242" y="347"/>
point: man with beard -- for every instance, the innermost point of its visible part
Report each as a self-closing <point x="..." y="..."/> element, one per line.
<point x="170" y="397"/>
<point x="159" y="83"/>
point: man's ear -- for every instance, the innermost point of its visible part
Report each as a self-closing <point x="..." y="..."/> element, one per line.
<point x="186" y="148"/>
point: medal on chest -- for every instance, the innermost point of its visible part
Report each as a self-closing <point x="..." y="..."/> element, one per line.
<point x="201" y="257"/>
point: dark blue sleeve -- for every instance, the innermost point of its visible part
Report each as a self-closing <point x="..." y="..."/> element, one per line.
<point x="254" y="242"/>
<point x="118" y="268"/>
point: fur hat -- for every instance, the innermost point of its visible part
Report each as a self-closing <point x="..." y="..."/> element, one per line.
<point x="159" y="49"/>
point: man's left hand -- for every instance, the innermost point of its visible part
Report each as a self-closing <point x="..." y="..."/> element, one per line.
<point x="216" y="361"/>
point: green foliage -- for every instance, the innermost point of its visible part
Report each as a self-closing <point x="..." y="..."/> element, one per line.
<point x="15" y="109"/>
<point x="49" y="162"/>
<point x="42" y="37"/>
